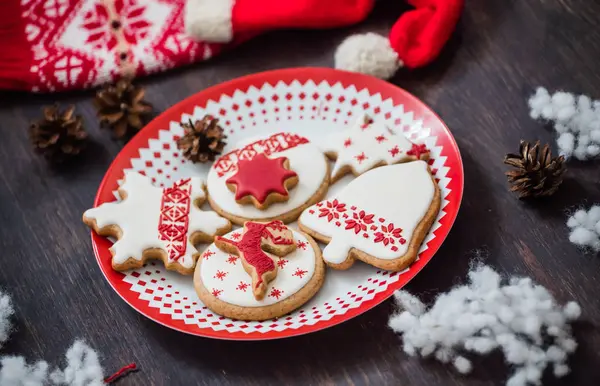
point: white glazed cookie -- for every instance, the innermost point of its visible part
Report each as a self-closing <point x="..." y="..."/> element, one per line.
<point x="367" y="145"/>
<point x="302" y="157"/>
<point x="226" y="283"/>
<point x="380" y="218"/>
<point x="156" y="223"/>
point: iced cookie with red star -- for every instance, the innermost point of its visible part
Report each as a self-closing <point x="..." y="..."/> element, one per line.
<point x="262" y="271"/>
<point x="367" y="145"/>
<point x="381" y="217"/>
<point x="262" y="180"/>
<point x="270" y="178"/>
<point x="154" y="223"/>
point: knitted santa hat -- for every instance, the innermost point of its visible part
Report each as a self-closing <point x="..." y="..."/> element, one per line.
<point x="415" y="39"/>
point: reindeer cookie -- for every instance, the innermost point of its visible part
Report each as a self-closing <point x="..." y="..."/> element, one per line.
<point x="260" y="272"/>
<point x="154" y="223"/>
<point x="270" y="178"/>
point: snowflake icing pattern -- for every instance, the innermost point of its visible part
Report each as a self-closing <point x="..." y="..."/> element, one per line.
<point x="235" y="236"/>
<point x="275" y="293"/>
<point x="332" y="210"/>
<point x="216" y="292"/>
<point x="388" y="235"/>
<point x="281" y="263"/>
<point x="207" y="254"/>
<point x="361" y="157"/>
<point x="359" y="221"/>
<point x="300" y="273"/>
<point x="220" y="275"/>
<point x="232" y="259"/>
<point x="242" y="286"/>
<point x="301" y="244"/>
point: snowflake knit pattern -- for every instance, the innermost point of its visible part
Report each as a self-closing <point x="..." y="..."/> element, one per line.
<point x="487" y="315"/>
<point x="71" y="44"/>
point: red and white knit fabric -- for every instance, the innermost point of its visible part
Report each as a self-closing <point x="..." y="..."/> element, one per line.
<point x="53" y="45"/>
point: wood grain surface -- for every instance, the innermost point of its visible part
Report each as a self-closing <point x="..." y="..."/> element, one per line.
<point x="503" y="50"/>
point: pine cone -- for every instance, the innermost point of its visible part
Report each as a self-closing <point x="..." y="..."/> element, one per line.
<point x="537" y="174"/>
<point x="203" y="139"/>
<point x="58" y="135"/>
<point x="121" y="108"/>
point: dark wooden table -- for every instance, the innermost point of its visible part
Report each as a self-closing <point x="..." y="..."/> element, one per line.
<point x="479" y="86"/>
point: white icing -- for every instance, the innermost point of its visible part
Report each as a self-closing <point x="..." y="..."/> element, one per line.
<point x="400" y="194"/>
<point x="305" y="159"/>
<point x="138" y="216"/>
<point x="214" y="260"/>
<point x="364" y="146"/>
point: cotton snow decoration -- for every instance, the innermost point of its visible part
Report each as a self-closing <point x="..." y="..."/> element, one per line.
<point x="520" y="318"/>
<point x="576" y="121"/>
<point x="82" y="364"/>
<point x="585" y="228"/>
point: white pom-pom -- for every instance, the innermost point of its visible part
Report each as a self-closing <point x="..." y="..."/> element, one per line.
<point x="209" y="20"/>
<point x="368" y="53"/>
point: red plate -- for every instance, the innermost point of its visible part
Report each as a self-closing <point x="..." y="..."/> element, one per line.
<point x="293" y="99"/>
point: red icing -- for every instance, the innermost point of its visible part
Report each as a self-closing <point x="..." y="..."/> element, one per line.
<point x="274" y="144"/>
<point x="174" y="218"/>
<point x="417" y="150"/>
<point x="360" y="223"/>
<point x="361" y="157"/>
<point x="250" y="246"/>
<point x="260" y="177"/>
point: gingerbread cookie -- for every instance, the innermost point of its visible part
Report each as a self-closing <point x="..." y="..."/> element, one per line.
<point x="274" y="183"/>
<point x="380" y="217"/>
<point x="154" y="223"/>
<point x="258" y="170"/>
<point x="368" y="145"/>
<point x="262" y="271"/>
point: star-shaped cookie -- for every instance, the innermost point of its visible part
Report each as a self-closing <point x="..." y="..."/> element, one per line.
<point x="367" y="145"/>
<point x="155" y="223"/>
<point x="262" y="181"/>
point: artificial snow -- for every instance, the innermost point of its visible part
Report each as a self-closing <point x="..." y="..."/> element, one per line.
<point x="585" y="228"/>
<point x="520" y="318"/>
<point x="6" y="311"/>
<point x="82" y="369"/>
<point x="576" y="121"/>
